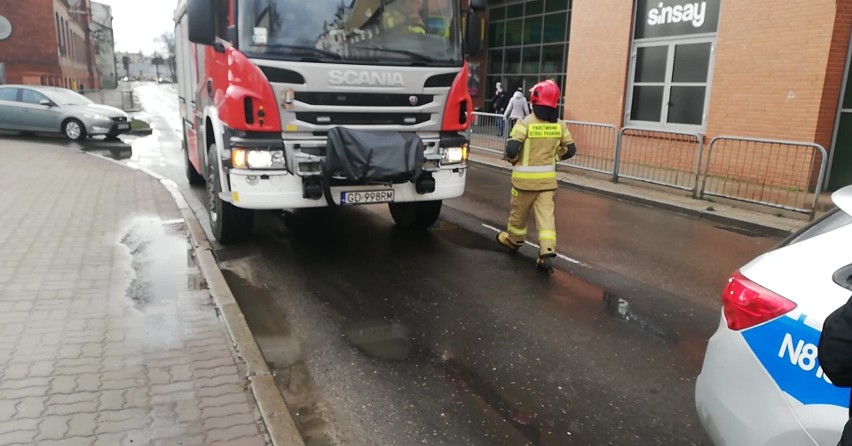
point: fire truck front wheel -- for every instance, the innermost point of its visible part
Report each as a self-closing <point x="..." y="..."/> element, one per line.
<point x="229" y="223"/>
<point x="416" y="215"/>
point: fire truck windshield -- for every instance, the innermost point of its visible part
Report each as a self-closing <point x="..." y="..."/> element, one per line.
<point x="378" y="32"/>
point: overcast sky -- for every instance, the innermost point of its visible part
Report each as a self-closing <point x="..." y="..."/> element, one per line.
<point x="137" y="24"/>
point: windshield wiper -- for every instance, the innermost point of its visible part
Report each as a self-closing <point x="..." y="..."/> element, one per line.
<point x="304" y="48"/>
<point x="411" y="54"/>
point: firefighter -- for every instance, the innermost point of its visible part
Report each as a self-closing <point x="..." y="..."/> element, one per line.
<point x="408" y="19"/>
<point x="535" y="145"/>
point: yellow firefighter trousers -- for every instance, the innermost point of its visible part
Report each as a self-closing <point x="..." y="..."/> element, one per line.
<point x="543" y="202"/>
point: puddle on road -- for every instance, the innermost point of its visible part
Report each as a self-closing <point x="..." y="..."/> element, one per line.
<point x="464" y="238"/>
<point x="388" y="341"/>
<point x="155" y="260"/>
<point x="523" y="422"/>
<point x="620" y="308"/>
<point x="160" y="262"/>
<point x="111" y="148"/>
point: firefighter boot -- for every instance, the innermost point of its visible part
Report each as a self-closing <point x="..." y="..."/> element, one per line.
<point x="503" y="239"/>
<point x="545" y="263"/>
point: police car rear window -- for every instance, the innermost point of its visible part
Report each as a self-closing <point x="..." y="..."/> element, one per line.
<point x="835" y="219"/>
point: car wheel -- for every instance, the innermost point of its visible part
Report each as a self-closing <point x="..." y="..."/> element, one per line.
<point x="416" y="215"/>
<point x="229" y="223"/>
<point x="73" y="129"/>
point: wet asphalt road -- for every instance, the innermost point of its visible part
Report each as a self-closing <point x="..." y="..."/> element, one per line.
<point x="388" y="337"/>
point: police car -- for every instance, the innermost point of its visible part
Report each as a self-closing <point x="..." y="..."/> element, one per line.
<point x="761" y="383"/>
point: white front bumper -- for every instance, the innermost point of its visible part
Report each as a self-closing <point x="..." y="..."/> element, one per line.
<point x="281" y="190"/>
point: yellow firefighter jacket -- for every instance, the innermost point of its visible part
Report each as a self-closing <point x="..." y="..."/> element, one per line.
<point x="544" y="144"/>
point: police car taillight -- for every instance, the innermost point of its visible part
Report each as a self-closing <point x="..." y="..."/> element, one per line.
<point x="747" y="304"/>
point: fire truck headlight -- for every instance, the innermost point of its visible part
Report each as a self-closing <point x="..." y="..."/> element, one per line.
<point x="258" y="159"/>
<point x="455" y="155"/>
<point x="238" y="158"/>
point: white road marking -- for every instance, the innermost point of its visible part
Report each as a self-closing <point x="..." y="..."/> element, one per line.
<point x="563" y="257"/>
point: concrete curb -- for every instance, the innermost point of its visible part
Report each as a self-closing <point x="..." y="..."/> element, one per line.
<point x="743" y="224"/>
<point x="273" y="408"/>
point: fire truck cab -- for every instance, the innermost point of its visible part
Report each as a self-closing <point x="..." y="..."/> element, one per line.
<point x="289" y="104"/>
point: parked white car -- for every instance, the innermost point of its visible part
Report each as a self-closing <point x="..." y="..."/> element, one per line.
<point x="761" y="383"/>
<point x="33" y="108"/>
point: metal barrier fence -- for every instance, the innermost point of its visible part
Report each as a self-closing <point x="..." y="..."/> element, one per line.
<point x="596" y="142"/>
<point x="780" y="174"/>
<point x="122" y="98"/>
<point x="489" y="132"/>
<point x="776" y="173"/>
<point x="660" y="157"/>
<point x="597" y="145"/>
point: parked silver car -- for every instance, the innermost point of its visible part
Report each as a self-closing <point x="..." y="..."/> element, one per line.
<point x="51" y="109"/>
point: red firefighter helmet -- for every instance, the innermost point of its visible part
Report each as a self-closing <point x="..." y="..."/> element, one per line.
<point x="545" y="93"/>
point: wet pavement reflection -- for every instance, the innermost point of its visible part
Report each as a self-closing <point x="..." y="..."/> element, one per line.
<point x="504" y="355"/>
<point x="382" y="336"/>
<point x="157" y="267"/>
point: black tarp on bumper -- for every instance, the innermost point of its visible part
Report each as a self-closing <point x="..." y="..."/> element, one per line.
<point x="373" y="157"/>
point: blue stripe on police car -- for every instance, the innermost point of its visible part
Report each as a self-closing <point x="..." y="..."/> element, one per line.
<point x="787" y="349"/>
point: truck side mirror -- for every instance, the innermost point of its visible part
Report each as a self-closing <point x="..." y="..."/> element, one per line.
<point x="202" y="22"/>
<point x="472" y="34"/>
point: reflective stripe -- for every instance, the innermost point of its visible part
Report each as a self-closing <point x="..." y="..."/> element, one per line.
<point x="534" y="175"/>
<point x="517" y="232"/>
<point x="548" y="168"/>
<point x="518" y="128"/>
<point x="547" y="235"/>
<point x="537" y="131"/>
<point x="515" y="192"/>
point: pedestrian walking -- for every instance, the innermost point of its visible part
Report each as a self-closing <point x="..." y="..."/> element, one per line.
<point x="499" y="102"/>
<point x="518" y="108"/>
<point x="835" y="355"/>
<point x="536" y="143"/>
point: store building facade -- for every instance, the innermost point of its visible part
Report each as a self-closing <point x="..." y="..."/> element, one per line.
<point x="746" y="68"/>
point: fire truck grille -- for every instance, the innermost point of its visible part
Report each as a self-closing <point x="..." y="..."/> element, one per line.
<point x="336" y="119"/>
<point x="364" y="99"/>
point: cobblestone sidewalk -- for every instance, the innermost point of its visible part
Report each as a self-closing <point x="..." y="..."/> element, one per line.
<point x="105" y="336"/>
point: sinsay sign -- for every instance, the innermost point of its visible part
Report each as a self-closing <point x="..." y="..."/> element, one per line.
<point x="669" y="18"/>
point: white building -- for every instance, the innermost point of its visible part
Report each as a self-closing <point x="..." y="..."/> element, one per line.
<point x="104" y="42"/>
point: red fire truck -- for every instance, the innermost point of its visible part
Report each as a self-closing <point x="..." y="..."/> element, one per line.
<point x="290" y="104"/>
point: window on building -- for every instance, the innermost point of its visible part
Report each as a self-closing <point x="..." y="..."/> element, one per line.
<point x="58" y="33"/>
<point x="527" y="43"/>
<point x="62" y="35"/>
<point x="671" y="67"/>
<point x="8" y="94"/>
<point x="669" y="83"/>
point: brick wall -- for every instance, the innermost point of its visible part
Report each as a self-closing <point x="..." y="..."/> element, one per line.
<point x="770" y="69"/>
<point x="74" y="61"/>
<point x="26" y="52"/>
<point x="32" y="54"/>
<point x="834" y="74"/>
<point x="597" y="60"/>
